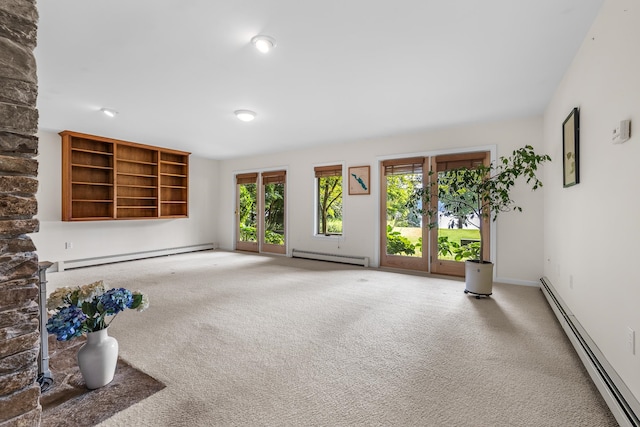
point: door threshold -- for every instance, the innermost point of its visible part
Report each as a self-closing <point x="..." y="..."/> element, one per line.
<point x="421" y="273"/>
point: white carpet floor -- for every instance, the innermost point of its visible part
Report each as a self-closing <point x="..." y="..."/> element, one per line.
<point x="252" y="340"/>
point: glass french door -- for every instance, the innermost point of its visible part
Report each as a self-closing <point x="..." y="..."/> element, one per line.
<point x="247" y="212"/>
<point x="403" y="239"/>
<point x="456" y="235"/>
<point x="260" y="212"/>
<point x="273" y="237"/>
<point x="406" y="240"/>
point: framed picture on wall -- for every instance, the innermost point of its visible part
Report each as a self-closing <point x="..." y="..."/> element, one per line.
<point x="359" y="180"/>
<point x="571" y="149"/>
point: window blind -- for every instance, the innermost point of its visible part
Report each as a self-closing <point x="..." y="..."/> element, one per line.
<point x="322" y="171"/>
<point x="412" y="165"/>
<point x="273" y="177"/>
<point x="246" y="178"/>
<point x="457" y="161"/>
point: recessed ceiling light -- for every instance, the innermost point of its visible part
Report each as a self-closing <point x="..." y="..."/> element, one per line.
<point x="264" y="43"/>
<point x="109" y="112"/>
<point x="245" y="115"/>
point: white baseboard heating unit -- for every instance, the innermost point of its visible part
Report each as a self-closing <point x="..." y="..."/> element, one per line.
<point x="623" y="404"/>
<point x="321" y="256"/>
<point x="87" y="262"/>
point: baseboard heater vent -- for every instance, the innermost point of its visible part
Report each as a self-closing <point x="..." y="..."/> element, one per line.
<point x="88" y="262"/>
<point x="321" y="256"/>
<point x="623" y="404"/>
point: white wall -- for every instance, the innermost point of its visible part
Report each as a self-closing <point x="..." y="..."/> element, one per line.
<point x="519" y="236"/>
<point x="591" y="230"/>
<point x="103" y="238"/>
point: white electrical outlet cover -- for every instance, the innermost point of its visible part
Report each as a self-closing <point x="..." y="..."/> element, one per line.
<point x="621" y="132"/>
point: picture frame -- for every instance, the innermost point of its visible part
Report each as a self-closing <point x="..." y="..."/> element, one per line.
<point x="359" y="180"/>
<point x="571" y="149"/>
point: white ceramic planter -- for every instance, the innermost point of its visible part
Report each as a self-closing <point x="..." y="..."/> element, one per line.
<point x="97" y="359"/>
<point x="478" y="278"/>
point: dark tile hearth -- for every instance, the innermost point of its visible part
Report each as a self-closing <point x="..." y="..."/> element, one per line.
<point x="69" y="403"/>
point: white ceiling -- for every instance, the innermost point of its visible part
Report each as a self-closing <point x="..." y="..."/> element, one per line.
<point x="175" y="70"/>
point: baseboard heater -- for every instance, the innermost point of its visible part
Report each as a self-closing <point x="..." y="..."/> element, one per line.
<point x="321" y="256"/>
<point x="87" y="262"/>
<point x="623" y="404"/>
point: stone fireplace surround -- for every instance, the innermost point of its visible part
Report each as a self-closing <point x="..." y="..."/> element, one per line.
<point x="19" y="332"/>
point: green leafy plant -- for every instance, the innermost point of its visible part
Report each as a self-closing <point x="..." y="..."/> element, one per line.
<point x="457" y="250"/>
<point x="273" y="210"/>
<point x="273" y="238"/>
<point x="444" y="246"/>
<point x="247" y="234"/>
<point x="398" y="244"/>
<point x="483" y="191"/>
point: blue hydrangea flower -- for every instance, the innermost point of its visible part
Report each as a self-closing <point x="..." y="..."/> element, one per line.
<point x="83" y="309"/>
<point x="115" y="300"/>
<point x="66" y="323"/>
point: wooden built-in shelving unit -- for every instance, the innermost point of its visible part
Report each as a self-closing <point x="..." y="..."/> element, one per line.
<point x="104" y="179"/>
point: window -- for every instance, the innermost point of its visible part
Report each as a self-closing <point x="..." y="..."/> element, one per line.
<point x="329" y="200"/>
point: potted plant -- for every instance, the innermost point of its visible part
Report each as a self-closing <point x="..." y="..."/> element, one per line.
<point x="484" y="192"/>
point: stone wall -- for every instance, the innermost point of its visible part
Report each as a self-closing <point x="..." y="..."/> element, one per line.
<point x="19" y="334"/>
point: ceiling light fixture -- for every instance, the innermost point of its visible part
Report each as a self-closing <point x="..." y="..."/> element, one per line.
<point x="109" y="112"/>
<point x="264" y="43"/>
<point x="245" y="115"/>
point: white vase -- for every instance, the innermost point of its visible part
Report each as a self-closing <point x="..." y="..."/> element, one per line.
<point x="97" y="359"/>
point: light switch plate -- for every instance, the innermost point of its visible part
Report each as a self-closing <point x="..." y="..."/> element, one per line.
<point x="622" y="132"/>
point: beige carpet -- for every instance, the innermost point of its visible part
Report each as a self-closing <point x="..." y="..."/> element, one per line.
<point x="250" y="340"/>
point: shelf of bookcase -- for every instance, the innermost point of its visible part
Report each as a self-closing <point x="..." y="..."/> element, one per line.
<point x="78" y="165"/>
<point x="83" y="150"/>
